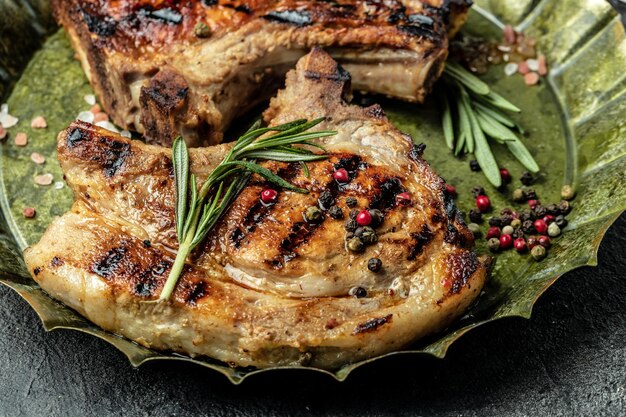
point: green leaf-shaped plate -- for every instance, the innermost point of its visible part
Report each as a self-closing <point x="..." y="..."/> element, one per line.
<point x="575" y="122"/>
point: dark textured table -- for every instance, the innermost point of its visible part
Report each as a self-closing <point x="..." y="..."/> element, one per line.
<point x="568" y="360"/>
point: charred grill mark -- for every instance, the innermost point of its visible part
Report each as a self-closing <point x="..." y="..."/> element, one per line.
<point x="461" y="266"/>
<point x="300" y="234"/>
<point x="339" y="76"/>
<point x="199" y="290"/>
<point x="372" y="325"/>
<point x="417" y="151"/>
<point x="75" y="137"/>
<point x="115" y="155"/>
<point x="101" y="25"/>
<point x="294" y="17"/>
<point x="452" y="235"/>
<point x="449" y="206"/>
<point x="148" y="280"/>
<point x="389" y="188"/>
<point x="106" y="266"/>
<point x="420" y="239"/>
<point x="418" y="30"/>
<point x="56" y="261"/>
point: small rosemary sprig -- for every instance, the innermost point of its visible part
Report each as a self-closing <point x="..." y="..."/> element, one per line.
<point x="472" y="112"/>
<point x="197" y="211"/>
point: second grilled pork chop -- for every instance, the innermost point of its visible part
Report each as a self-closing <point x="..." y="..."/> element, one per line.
<point x="267" y="288"/>
<point x="189" y="67"/>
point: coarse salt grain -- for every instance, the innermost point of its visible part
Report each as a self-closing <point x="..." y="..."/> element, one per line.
<point x="531" y="78"/>
<point x="21" y="139"/>
<point x="85" y="116"/>
<point x="7" y="121"/>
<point x="44" y="179"/>
<point x="29" y="212"/>
<point x="101" y="117"/>
<point x="4" y="108"/>
<point x="39" y="122"/>
<point x="126" y="134"/>
<point x="523" y="68"/>
<point x="510" y="68"/>
<point x="533" y="64"/>
<point x="37" y="158"/>
<point x="108" y="126"/>
<point x="90" y="99"/>
<point x="58" y="185"/>
<point x="95" y="109"/>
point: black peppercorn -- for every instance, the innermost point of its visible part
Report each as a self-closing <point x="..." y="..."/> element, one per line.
<point x="540" y="211"/>
<point x="518" y="233"/>
<point x="367" y="235"/>
<point x="377" y="217"/>
<point x="147" y="243"/>
<point x="527" y="178"/>
<point x="475" y="216"/>
<point x="374" y="265"/>
<point x="478" y="190"/>
<point x="351" y="225"/>
<point x="506" y="219"/>
<point x="351" y="202"/>
<point x="528" y="227"/>
<point x="526" y="215"/>
<point x="553" y="209"/>
<point x="560" y="221"/>
<point x="474" y="165"/>
<point x="530" y="194"/>
<point x="565" y="207"/>
<point x="506" y="210"/>
<point x="495" y="222"/>
<point x="354" y="213"/>
<point x="360" y="292"/>
<point x="326" y="200"/>
<point x="335" y="212"/>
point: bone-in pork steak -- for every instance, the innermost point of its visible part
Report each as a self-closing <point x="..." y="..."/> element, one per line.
<point x="189" y="67"/>
<point x="267" y="287"/>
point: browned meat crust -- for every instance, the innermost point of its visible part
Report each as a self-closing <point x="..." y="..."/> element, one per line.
<point x="267" y="288"/>
<point x="189" y="67"/>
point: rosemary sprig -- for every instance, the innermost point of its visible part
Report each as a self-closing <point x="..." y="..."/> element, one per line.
<point x="198" y="211"/>
<point x="472" y="113"/>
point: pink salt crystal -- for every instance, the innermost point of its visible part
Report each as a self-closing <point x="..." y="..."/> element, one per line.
<point x="100" y="117"/>
<point x="523" y="68"/>
<point x="509" y="34"/>
<point x="3" y="133"/>
<point x="39" y="123"/>
<point x="532" y="78"/>
<point x="95" y="109"/>
<point x="37" y="158"/>
<point x="21" y="139"/>
<point x="45" y="179"/>
<point x="543" y="65"/>
<point x="29" y="212"/>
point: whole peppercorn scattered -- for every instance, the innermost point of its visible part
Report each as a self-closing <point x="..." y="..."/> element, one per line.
<point x="516" y="223"/>
<point x="527" y="178"/>
<point x="494" y="244"/>
<point x="540" y="211"/>
<point x="312" y="215"/>
<point x="478" y="190"/>
<point x="351" y="202"/>
<point x="354" y="213"/>
<point x="565" y="207"/>
<point x="493" y="232"/>
<point x="403" y="199"/>
<point x="561" y="221"/>
<point x="532" y="241"/>
<point x="475" y="229"/>
<point x="528" y="227"/>
<point x="506" y="210"/>
<point x="356" y="245"/>
<point x="506" y="242"/>
<point x="29" y="212"/>
<point x="269" y="196"/>
<point x="538" y="253"/>
<point x="335" y="212"/>
<point x="554" y="230"/>
<point x="548" y="218"/>
<point x="326" y="200"/>
<point x="526" y="215"/>
<point x="351" y="225"/>
<point x="520" y="245"/>
<point x="506" y="219"/>
<point x="374" y="265"/>
<point x="367" y="235"/>
<point x="483" y="203"/>
<point x="364" y="218"/>
<point x="495" y="221"/>
<point x="530" y="194"/>
<point x="147" y="243"/>
<point x="541" y="226"/>
<point x="544" y="241"/>
<point x="341" y="175"/>
<point x="505" y="175"/>
<point x="474" y="165"/>
<point x="553" y="209"/>
<point x="475" y="216"/>
<point x="451" y="189"/>
<point x="507" y="230"/>
<point x="358" y="292"/>
<point x="518" y="233"/>
<point x="201" y="30"/>
<point x="519" y="196"/>
<point x="567" y="192"/>
<point x="377" y="217"/>
<point x="533" y="203"/>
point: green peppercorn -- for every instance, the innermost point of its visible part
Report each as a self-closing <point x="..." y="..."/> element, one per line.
<point x="554" y="230"/>
<point x="538" y="253"/>
<point x="519" y="196"/>
<point x="568" y="192"/>
<point x="493" y="244"/>
<point x="351" y="202"/>
<point x="516" y="223"/>
<point x="475" y="229"/>
<point x="508" y="230"/>
<point x="356" y="245"/>
<point x="351" y="225"/>
<point x="367" y="235"/>
<point x="374" y="265"/>
<point x="335" y="212"/>
<point x="312" y="214"/>
<point x="201" y="30"/>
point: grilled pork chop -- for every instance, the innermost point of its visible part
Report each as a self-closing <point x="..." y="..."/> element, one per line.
<point x="188" y="67"/>
<point x="267" y="288"/>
